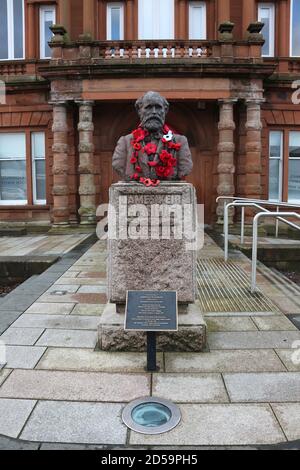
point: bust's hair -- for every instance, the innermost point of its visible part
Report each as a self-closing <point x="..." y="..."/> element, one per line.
<point x="150" y="94"/>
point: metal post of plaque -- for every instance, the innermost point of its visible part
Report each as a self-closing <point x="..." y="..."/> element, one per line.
<point x="151" y="312"/>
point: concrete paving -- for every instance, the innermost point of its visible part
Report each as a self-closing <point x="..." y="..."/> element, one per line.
<point x="58" y="391"/>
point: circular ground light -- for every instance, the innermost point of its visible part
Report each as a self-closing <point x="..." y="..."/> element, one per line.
<point x="151" y="415"/>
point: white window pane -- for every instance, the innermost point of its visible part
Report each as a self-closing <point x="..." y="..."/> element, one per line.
<point x="294" y="144"/>
<point x="48" y="22"/>
<point x="294" y="180"/>
<point x="18" y="29"/>
<point x="156" y="19"/>
<point x="3" y="30"/>
<point x="275" y="144"/>
<point x="38" y="144"/>
<point x="115" y="24"/>
<point x="266" y="31"/>
<point x="295" y="28"/>
<point x="13" y="185"/>
<point x="12" y="146"/>
<point x="274" y="180"/>
<point x="40" y="180"/>
<point x="197" y="20"/>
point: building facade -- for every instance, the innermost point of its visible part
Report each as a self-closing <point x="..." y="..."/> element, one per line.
<point x="228" y="67"/>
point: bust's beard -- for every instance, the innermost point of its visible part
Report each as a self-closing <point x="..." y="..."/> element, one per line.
<point x="153" y="125"/>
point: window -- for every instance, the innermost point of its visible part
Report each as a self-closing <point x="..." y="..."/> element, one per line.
<point x="156" y="19"/>
<point x="294" y="167"/>
<point x="275" y="168"/>
<point x="47" y="19"/>
<point x="15" y="180"/>
<point x="38" y="167"/>
<point x="266" y="14"/>
<point x="115" y="21"/>
<point x="295" y="28"/>
<point x="197" y="20"/>
<point x="13" y="187"/>
<point x="11" y="29"/>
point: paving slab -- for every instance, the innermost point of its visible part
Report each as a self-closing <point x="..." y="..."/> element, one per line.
<point x="224" y="361"/>
<point x="93" y="282"/>
<point x="50" y="309"/>
<point x="7" y="443"/>
<point x="74" y="298"/>
<point x="88" y="309"/>
<point x="86" y="423"/>
<point x="23" y="357"/>
<point x="253" y="340"/>
<point x="68" y="339"/>
<point x="65" y="322"/>
<point x="89" y="289"/>
<point x="240" y="314"/>
<point x="230" y="324"/>
<point x="18" y="303"/>
<point x="4" y="373"/>
<point x="288" y="415"/>
<point x="62" y="287"/>
<point x="21" y="336"/>
<point x="263" y="387"/>
<point x="14" y="414"/>
<point x="94" y="361"/>
<point x="279" y="323"/>
<point x="219" y="425"/>
<point x="7" y="318"/>
<point x="190" y="388"/>
<point x="75" y="386"/>
<point x="290" y="358"/>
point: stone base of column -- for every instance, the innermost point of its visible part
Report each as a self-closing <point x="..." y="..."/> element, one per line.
<point x="190" y="337"/>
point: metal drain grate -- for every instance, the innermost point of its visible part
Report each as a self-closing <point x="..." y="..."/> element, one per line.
<point x="225" y="287"/>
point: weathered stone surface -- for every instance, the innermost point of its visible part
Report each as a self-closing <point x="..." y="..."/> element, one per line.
<point x="191" y="334"/>
<point x="87" y="423"/>
<point x="149" y="264"/>
<point x="14" y="414"/>
<point x="217" y="425"/>
<point x="288" y="416"/>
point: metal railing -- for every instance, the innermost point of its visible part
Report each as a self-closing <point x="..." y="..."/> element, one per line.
<point x="255" y="204"/>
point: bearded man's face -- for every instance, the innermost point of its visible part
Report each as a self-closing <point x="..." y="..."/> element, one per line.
<point x="153" y="114"/>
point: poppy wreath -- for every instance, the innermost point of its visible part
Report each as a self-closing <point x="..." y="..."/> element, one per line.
<point x="162" y="157"/>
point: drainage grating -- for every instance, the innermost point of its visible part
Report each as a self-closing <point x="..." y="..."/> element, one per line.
<point x="225" y="287"/>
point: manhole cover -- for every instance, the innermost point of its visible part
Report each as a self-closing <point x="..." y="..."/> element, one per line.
<point x="151" y="416"/>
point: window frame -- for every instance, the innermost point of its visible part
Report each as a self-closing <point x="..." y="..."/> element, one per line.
<point x="109" y="8"/>
<point x="289" y="159"/>
<point x="42" y="10"/>
<point x="31" y="201"/>
<point x="192" y="5"/>
<point x="281" y="160"/>
<point x="10" y="32"/>
<point x="291" y="30"/>
<point x="271" y="7"/>
<point x="36" y="201"/>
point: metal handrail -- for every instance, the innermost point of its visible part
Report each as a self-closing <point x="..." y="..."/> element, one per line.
<point x="255" y="239"/>
<point x="260" y="201"/>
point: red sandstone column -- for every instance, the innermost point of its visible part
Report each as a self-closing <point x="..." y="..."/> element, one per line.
<point x="253" y="164"/>
<point x="89" y="15"/>
<point x="182" y="19"/>
<point x="249" y="14"/>
<point x="129" y="33"/>
<point x="31" y="49"/>
<point x="60" y="165"/>
<point x="65" y="14"/>
<point x="226" y="148"/>
<point x="223" y="11"/>
<point x="87" y="189"/>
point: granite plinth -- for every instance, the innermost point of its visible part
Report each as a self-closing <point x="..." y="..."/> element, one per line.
<point x="149" y="250"/>
<point x="190" y="337"/>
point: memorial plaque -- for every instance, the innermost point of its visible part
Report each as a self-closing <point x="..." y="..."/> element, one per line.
<point x="151" y="311"/>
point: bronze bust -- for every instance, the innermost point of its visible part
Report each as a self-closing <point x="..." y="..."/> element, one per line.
<point x="152" y="152"/>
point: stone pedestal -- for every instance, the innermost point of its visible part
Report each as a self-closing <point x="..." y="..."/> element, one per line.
<point x="152" y="246"/>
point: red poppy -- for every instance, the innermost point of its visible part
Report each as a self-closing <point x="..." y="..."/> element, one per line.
<point x="174" y="146"/>
<point x="139" y="134"/>
<point x="168" y="172"/>
<point x="165" y="156"/>
<point x="138" y="169"/>
<point x="137" y="146"/>
<point x="172" y="162"/>
<point x="166" y="129"/>
<point x="150" y="148"/>
<point x="160" y="170"/>
<point x="135" y="176"/>
<point x="152" y="164"/>
<point x="133" y="161"/>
